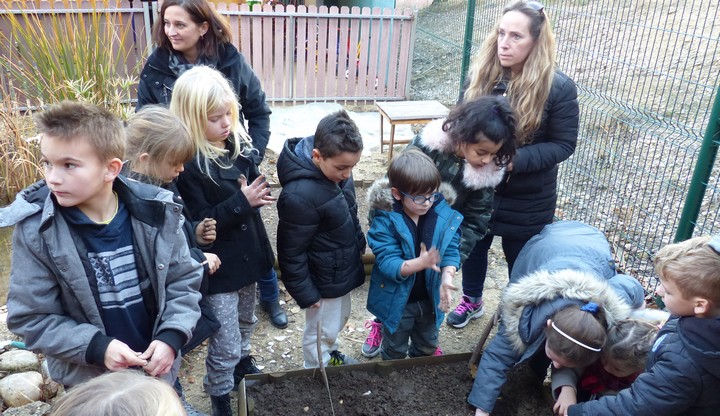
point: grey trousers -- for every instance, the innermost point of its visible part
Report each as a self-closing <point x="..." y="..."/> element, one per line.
<point x="236" y="313"/>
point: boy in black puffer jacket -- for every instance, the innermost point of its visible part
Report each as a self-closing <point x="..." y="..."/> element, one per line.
<point x="320" y="242"/>
<point x="683" y="370"/>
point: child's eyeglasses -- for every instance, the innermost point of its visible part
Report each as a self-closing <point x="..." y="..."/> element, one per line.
<point x="420" y="199"/>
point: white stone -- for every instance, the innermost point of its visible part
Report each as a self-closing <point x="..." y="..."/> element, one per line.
<point x="30" y="409"/>
<point x="21" y="388"/>
<point x="19" y="360"/>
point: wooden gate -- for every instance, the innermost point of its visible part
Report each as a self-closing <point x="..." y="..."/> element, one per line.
<point x="326" y="54"/>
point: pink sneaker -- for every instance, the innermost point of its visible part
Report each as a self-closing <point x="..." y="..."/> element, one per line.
<point x="464" y="312"/>
<point x="371" y="347"/>
<point x="438" y="352"/>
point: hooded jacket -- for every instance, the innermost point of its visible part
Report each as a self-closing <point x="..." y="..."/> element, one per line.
<point x="242" y="243"/>
<point x="682" y="376"/>
<point x="524" y="310"/>
<point x="319" y="239"/>
<point x="392" y="243"/>
<point x="474" y="187"/>
<point x="50" y="302"/>
<point x="576" y="246"/>
<point x="157" y="81"/>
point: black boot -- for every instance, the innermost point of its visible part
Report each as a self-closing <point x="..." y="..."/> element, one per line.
<point x="221" y="405"/>
<point x="244" y="367"/>
<point x="278" y="317"/>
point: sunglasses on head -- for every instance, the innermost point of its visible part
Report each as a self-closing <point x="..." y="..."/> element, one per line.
<point x="536" y="5"/>
<point x="714" y="244"/>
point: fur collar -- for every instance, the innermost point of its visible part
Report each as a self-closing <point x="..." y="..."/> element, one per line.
<point x="380" y="197"/>
<point x="543" y="286"/>
<point x="434" y="138"/>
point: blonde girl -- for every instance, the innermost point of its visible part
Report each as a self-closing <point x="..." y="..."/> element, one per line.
<point x="214" y="184"/>
<point x="120" y="393"/>
<point x="158" y="146"/>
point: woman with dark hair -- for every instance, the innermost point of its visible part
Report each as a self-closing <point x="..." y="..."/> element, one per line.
<point x="192" y="32"/>
<point x="517" y="60"/>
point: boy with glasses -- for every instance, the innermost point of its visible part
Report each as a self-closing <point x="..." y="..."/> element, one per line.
<point x="411" y="284"/>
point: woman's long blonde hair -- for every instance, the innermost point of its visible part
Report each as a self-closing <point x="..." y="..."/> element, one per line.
<point x="527" y="91"/>
<point x="198" y="92"/>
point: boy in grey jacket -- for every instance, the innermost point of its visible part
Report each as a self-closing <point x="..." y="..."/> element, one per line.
<point x="101" y="275"/>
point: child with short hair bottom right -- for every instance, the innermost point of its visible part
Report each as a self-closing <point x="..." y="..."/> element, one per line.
<point x="683" y="370"/>
<point x="411" y="284"/>
<point x="319" y="239"/>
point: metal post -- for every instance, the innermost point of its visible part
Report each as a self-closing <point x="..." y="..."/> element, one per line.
<point x="467" y="42"/>
<point x="701" y="174"/>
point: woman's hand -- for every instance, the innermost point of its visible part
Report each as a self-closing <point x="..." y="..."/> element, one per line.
<point x="258" y="192"/>
<point x="205" y="232"/>
<point x="566" y="398"/>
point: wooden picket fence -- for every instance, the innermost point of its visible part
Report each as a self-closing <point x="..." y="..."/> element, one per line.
<point x="302" y="54"/>
<point x="307" y="54"/>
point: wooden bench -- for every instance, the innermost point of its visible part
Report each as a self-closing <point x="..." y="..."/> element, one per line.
<point x="407" y="112"/>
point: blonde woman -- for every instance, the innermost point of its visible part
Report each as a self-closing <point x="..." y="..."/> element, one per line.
<point x="517" y="60"/>
<point x="223" y="183"/>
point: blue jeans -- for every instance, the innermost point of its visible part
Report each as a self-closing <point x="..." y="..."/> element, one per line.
<point x="268" y="285"/>
<point x="474" y="270"/>
<point x="417" y="326"/>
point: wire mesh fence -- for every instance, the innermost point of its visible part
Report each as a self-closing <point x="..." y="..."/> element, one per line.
<point x="646" y="72"/>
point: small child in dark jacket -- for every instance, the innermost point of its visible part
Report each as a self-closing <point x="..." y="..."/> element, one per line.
<point x="682" y="375"/>
<point x="320" y="242"/>
<point x="410" y="287"/>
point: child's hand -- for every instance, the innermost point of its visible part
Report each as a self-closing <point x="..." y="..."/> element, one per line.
<point x="429" y="258"/>
<point x="258" y="192"/>
<point x="160" y="357"/>
<point x="213" y="262"/>
<point x="118" y="356"/>
<point x="446" y="288"/>
<point x="205" y="232"/>
<point x="566" y="398"/>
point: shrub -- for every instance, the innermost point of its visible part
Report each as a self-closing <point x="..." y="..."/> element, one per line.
<point x="77" y="56"/>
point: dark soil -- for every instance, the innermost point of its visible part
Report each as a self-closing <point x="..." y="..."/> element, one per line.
<point x="422" y="390"/>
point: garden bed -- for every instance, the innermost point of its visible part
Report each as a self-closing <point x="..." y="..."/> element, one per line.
<point x="419" y="386"/>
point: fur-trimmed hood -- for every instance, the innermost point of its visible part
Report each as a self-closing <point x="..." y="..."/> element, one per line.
<point x="435" y="139"/>
<point x="527" y="304"/>
<point x="380" y="197"/>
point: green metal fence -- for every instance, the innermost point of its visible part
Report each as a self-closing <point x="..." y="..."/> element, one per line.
<point x="647" y="74"/>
